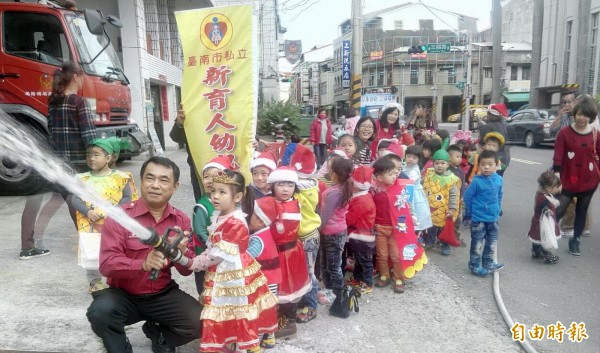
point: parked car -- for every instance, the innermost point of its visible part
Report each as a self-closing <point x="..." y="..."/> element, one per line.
<point x="531" y="127"/>
<point x="480" y="112"/>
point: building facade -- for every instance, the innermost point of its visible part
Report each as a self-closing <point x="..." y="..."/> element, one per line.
<point x="150" y="50"/>
<point x="565" y="61"/>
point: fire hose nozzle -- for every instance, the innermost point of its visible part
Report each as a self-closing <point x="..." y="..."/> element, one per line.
<point x="169" y="249"/>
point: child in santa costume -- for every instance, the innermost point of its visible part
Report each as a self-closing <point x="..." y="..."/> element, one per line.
<point x="204" y="208"/>
<point x="260" y="168"/>
<point x="263" y="248"/>
<point x="360" y="220"/>
<point x="284" y="229"/>
<point x="385" y="173"/>
<point x="237" y="304"/>
<point x="304" y="162"/>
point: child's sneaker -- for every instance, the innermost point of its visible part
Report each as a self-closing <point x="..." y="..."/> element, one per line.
<point x="382" y="281"/>
<point x="309" y="315"/>
<point x="33" y="253"/>
<point x="365" y="289"/>
<point x="550" y="258"/>
<point x="324" y="297"/>
<point x="494" y="267"/>
<point x="254" y="350"/>
<point x="268" y="341"/>
<point x="349" y="264"/>
<point x="354" y="283"/>
<point x="398" y="287"/>
<point x="480" y="271"/>
<point x="96" y="286"/>
<point x="445" y="249"/>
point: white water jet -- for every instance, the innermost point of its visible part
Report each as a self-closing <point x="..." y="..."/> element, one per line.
<point x="23" y="145"/>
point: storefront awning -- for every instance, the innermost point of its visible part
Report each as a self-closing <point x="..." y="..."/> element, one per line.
<point x="516" y="97"/>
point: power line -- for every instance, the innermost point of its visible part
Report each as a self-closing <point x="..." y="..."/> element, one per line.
<point x="294" y="6"/>
<point x="438" y="17"/>
<point x="304" y="9"/>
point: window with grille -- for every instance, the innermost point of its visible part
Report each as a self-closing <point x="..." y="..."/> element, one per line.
<point x="380" y="78"/>
<point x="567" y="54"/>
<point x="593" y="48"/>
<point x="487" y="72"/>
<point x="526" y="73"/>
<point x="414" y="77"/>
<point x="452" y="76"/>
<point x="514" y="70"/>
<point x="428" y="77"/>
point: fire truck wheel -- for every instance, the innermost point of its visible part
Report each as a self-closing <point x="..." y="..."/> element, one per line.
<point x="17" y="179"/>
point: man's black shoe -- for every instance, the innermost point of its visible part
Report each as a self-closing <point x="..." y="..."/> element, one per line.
<point x="574" y="247"/>
<point x="159" y="345"/>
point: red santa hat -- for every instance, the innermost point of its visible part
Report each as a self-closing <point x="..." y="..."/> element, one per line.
<point x="265" y="159"/>
<point x="304" y="161"/>
<point x="219" y="162"/>
<point x="340" y="152"/>
<point x="394" y="149"/>
<point x="498" y="109"/>
<point x="283" y="174"/>
<point x="406" y="138"/>
<point x="362" y="177"/>
<point x="265" y="208"/>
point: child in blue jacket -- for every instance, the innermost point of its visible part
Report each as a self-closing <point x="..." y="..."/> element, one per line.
<point x="483" y="202"/>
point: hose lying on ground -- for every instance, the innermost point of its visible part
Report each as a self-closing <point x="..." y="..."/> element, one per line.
<point x="505" y="314"/>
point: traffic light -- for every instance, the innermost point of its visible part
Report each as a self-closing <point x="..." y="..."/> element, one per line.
<point x="417" y="49"/>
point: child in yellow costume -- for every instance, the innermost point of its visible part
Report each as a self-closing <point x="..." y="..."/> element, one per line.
<point x="113" y="186"/>
<point x="442" y="188"/>
<point x="119" y="145"/>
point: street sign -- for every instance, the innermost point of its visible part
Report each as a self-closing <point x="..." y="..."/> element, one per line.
<point x="346" y="64"/>
<point x="433" y="48"/>
<point x="460" y="85"/>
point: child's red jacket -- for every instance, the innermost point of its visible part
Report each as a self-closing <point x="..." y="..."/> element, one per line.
<point x="360" y="218"/>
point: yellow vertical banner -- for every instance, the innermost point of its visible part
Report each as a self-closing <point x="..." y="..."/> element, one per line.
<point x="219" y="86"/>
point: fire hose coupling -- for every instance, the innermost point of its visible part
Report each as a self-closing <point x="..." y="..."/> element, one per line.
<point x="169" y="249"/>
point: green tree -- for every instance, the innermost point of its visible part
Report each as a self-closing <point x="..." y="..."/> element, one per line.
<point x="275" y="112"/>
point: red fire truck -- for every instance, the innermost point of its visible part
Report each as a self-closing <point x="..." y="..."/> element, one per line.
<point x="35" y="39"/>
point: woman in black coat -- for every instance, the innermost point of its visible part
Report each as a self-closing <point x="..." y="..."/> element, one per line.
<point x="496" y="123"/>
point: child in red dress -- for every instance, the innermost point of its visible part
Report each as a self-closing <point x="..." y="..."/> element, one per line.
<point x="285" y="223"/>
<point x="238" y="306"/>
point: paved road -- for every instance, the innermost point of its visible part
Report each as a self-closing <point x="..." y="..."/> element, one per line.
<point x="39" y="306"/>
<point x="534" y="292"/>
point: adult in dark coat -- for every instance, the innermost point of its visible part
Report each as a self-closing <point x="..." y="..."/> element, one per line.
<point x="496" y="123"/>
<point x="177" y="134"/>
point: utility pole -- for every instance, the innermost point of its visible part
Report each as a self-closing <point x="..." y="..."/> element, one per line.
<point x="536" y="52"/>
<point x="468" y="87"/>
<point x="583" y="44"/>
<point x="496" y="51"/>
<point x="356" y="47"/>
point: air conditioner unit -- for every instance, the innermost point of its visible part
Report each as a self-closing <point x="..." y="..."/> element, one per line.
<point x="305" y="91"/>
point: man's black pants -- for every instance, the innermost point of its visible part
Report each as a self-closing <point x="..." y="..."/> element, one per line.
<point x="177" y="313"/>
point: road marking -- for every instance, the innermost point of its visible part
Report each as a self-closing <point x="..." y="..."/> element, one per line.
<point x="524" y="161"/>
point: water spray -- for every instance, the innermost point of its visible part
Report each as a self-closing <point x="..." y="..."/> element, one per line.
<point x="26" y="146"/>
